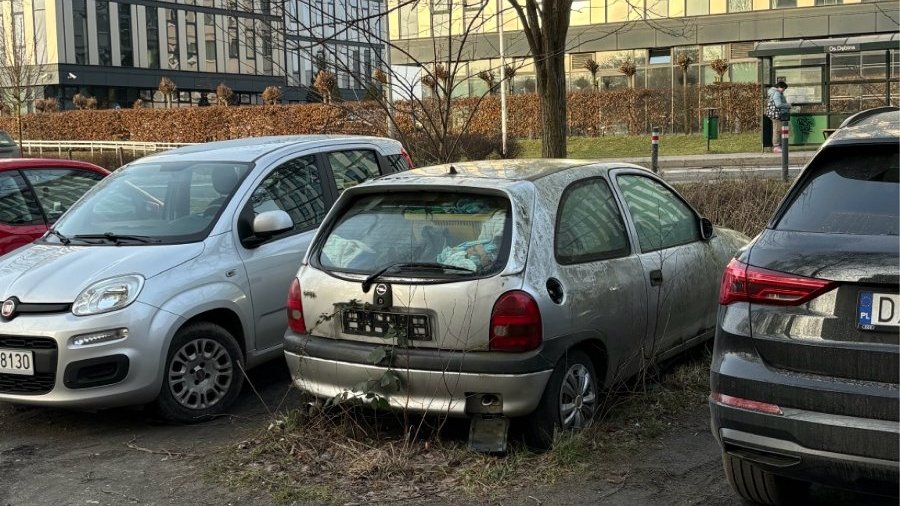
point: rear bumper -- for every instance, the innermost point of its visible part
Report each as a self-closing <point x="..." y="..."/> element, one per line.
<point x="832" y="431"/>
<point x="448" y="392"/>
<point x="770" y="442"/>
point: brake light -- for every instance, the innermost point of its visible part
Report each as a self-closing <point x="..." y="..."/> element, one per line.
<point x="515" y="323"/>
<point x="295" y="308"/>
<point x="745" y="283"/>
<point x="737" y="402"/>
<point x="406" y="157"/>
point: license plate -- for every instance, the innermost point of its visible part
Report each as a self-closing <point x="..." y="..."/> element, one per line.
<point x="878" y="310"/>
<point x="16" y="362"/>
<point x="363" y="322"/>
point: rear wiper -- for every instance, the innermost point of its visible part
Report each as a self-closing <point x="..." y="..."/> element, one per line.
<point x="116" y="238"/>
<point x="367" y="283"/>
<point x="63" y="239"/>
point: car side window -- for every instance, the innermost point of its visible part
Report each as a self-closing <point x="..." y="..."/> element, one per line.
<point x="661" y="218"/>
<point x="295" y="188"/>
<point x="352" y="167"/>
<point x="57" y="189"/>
<point x="589" y="226"/>
<point x="17" y="205"/>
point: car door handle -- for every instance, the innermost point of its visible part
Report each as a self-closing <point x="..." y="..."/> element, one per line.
<point x="656" y="277"/>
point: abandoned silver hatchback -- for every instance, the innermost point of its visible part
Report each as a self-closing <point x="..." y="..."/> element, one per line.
<point x="502" y="289"/>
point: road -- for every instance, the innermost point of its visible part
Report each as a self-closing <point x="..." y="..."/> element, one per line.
<point x="117" y="457"/>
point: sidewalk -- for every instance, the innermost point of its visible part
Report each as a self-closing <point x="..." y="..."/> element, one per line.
<point x="797" y="159"/>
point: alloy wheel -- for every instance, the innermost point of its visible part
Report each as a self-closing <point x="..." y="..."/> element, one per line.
<point x="200" y="374"/>
<point x="577" y="398"/>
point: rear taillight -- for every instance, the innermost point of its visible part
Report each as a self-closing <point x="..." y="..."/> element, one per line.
<point x="515" y="323"/>
<point x="295" y="308"/>
<point x="406" y="157"/>
<point x="745" y="283"/>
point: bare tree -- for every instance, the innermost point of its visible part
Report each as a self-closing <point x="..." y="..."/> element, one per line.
<point x="546" y="28"/>
<point x="20" y="72"/>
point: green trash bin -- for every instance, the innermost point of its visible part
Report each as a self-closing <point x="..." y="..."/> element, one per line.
<point x="711" y="127"/>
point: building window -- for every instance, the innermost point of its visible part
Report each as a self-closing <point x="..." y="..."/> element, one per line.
<point x="126" y="52"/>
<point x="209" y="29"/>
<point x="409" y="21"/>
<point x="233" y="38"/>
<point x="829" y="2"/>
<point x="19" y="34"/>
<point x="266" y="39"/>
<point x="190" y="20"/>
<point x="40" y="32"/>
<point x="740" y="5"/>
<point x="104" y="45"/>
<point x="79" y="17"/>
<point x="152" y="38"/>
<point x="660" y="56"/>
<point x="440" y="18"/>
<point x="699" y="7"/>
<point x="250" y="39"/>
<point x="172" y="38"/>
<point x="784" y="4"/>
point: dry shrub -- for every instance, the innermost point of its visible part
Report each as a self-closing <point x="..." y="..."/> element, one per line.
<point x="590" y="114"/>
<point x="743" y="204"/>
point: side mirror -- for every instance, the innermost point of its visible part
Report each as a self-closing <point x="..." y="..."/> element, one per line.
<point x="270" y="223"/>
<point x="707" y="231"/>
<point x="265" y="225"/>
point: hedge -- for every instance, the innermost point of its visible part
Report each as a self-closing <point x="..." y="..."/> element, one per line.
<point x="590" y="114"/>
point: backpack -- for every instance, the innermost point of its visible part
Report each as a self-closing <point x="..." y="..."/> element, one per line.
<point x="772" y="111"/>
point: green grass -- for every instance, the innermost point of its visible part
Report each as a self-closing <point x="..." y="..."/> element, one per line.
<point x="639" y="145"/>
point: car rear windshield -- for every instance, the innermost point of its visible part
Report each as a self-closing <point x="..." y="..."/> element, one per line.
<point x="468" y="233"/>
<point x="849" y="190"/>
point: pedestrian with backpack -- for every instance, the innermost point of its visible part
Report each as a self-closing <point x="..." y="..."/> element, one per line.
<point x="778" y="110"/>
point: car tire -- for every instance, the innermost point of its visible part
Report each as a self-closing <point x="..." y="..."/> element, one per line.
<point x="202" y="376"/>
<point x="575" y="380"/>
<point x="762" y="487"/>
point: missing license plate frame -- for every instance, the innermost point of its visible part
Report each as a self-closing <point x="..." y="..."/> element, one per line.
<point x="371" y="323"/>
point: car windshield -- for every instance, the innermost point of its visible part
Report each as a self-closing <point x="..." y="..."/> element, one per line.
<point x="152" y="203"/>
<point x="854" y="191"/>
<point x="415" y="234"/>
<point x="5" y="139"/>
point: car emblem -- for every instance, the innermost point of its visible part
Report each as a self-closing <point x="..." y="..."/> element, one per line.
<point x="381" y="289"/>
<point x="8" y="309"/>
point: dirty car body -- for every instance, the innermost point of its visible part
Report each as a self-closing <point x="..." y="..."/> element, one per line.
<point x="167" y="279"/>
<point x="804" y="376"/>
<point x="511" y="288"/>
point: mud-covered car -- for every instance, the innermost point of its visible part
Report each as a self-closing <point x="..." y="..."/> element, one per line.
<point x="507" y="288"/>
<point x="804" y="377"/>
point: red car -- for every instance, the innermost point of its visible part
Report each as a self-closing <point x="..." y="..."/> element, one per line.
<point x="35" y="192"/>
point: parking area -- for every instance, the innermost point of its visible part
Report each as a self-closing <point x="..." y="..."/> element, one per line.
<point x="50" y="456"/>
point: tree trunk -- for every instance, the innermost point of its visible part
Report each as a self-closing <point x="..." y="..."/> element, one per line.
<point x="551" y="85"/>
<point x="19" y="128"/>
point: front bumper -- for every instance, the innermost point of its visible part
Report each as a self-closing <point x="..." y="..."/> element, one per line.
<point x="137" y="360"/>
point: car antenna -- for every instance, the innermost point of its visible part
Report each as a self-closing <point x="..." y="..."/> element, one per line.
<point x="453" y="171"/>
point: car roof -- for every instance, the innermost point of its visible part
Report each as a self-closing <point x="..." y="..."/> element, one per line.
<point x="880" y="127"/>
<point x="46" y="163"/>
<point x="504" y="170"/>
<point x="250" y="149"/>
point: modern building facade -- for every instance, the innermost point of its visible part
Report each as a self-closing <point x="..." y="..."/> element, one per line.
<point x="117" y="51"/>
<point x="650" y="33"/>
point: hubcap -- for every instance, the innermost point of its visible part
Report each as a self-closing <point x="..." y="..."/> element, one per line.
<point x="200" y="374"/>
<point x="577" y="398"/>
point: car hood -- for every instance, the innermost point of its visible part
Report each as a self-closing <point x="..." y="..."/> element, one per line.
<point x="44" y="273"/>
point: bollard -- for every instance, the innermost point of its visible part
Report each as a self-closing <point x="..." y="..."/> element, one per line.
<point x="784" y="150"/>
<point x="120" y="156"/>
<point x="654" y="150"/>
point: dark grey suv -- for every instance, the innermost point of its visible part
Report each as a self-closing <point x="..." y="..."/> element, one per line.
<point x="805" y="367"/>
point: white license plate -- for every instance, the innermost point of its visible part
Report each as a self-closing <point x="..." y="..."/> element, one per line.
<point x="16" y="362"/>
<point x="878" y="310"/>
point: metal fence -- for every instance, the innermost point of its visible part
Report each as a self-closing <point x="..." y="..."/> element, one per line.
<point x="134" y="147"/>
